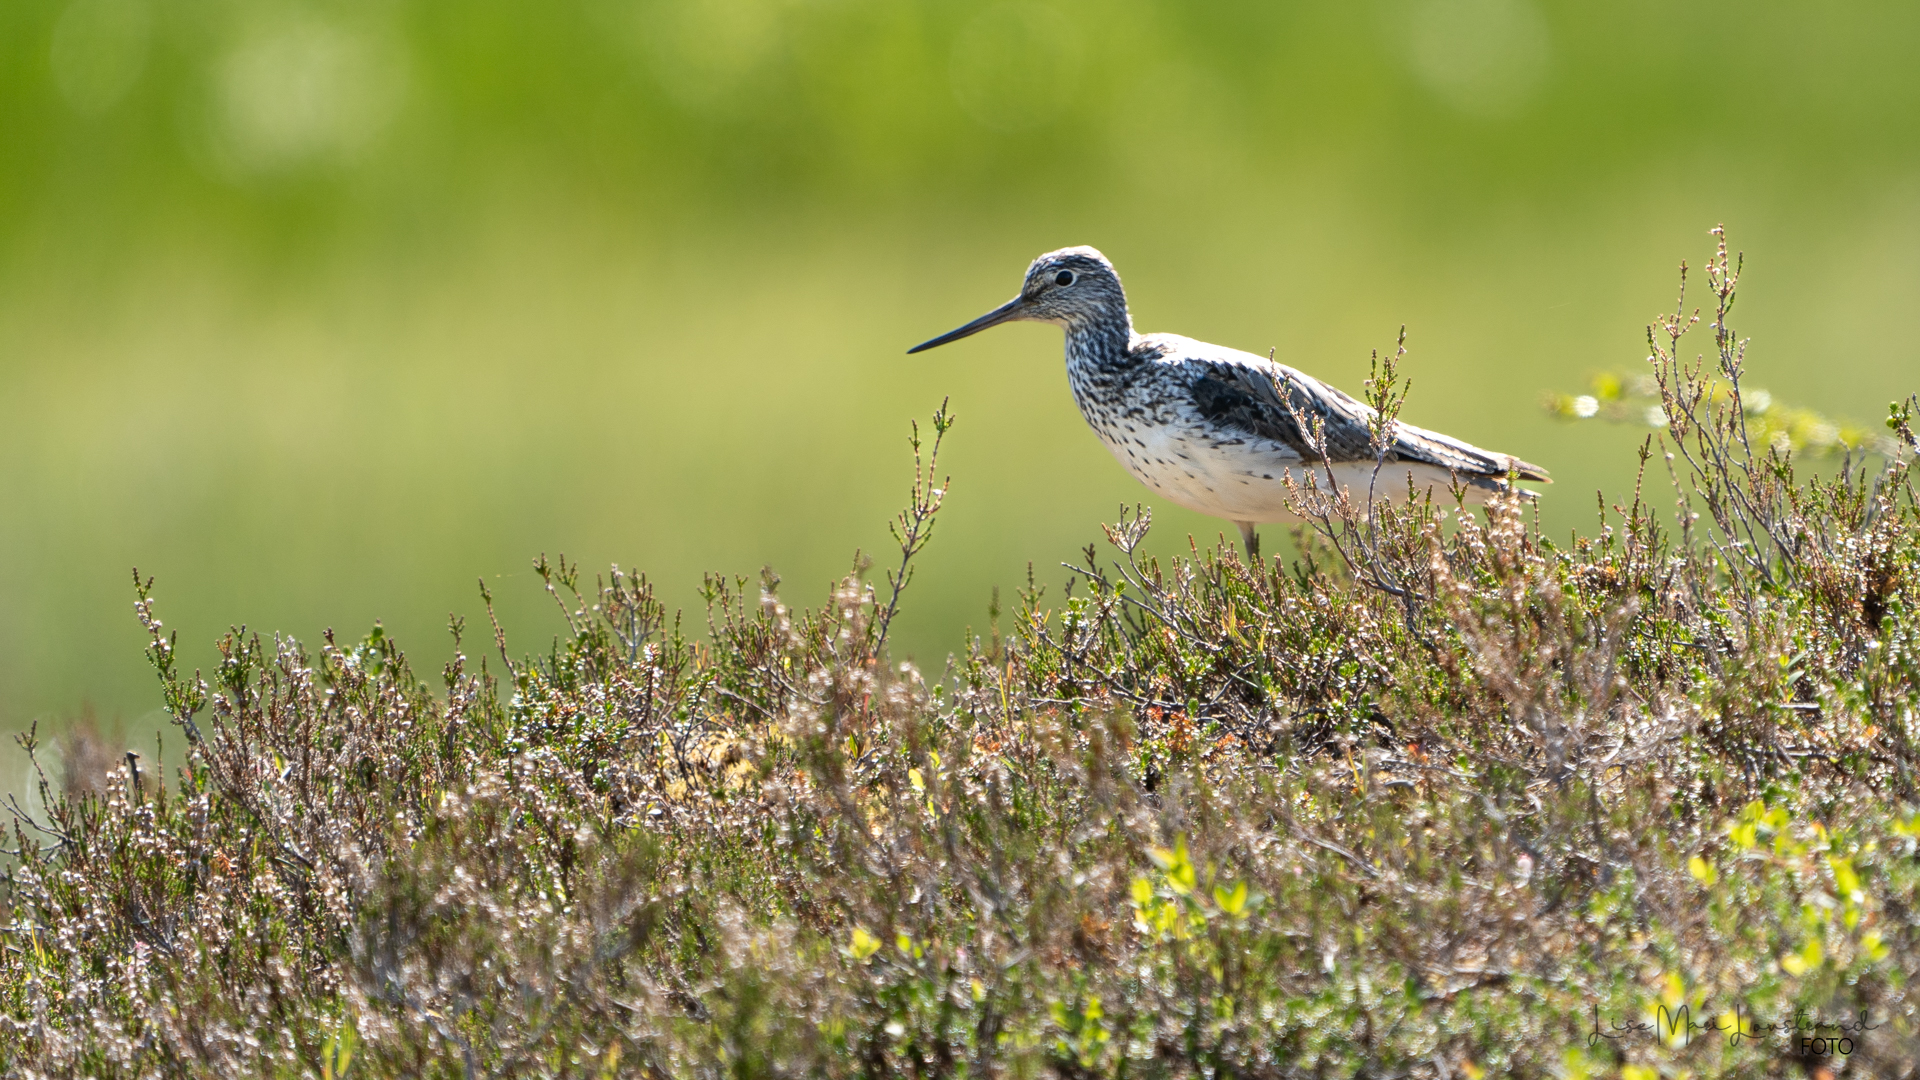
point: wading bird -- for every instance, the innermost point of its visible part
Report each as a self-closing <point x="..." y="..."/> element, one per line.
<point x="1206" y="426"/>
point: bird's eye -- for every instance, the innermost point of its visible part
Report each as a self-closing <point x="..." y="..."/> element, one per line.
<point x="1063" y="278"/>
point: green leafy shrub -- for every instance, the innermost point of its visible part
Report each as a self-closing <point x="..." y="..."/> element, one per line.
<point x="1439" y="797"/>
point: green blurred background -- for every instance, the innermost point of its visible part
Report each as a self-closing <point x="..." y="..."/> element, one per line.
<point x="320" y="311"/>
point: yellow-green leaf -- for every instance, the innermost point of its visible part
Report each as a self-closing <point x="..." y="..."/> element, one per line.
<point x="337" y="1052"/>
<point x="863" y="944"/>
<point x="1180" y="875"/>
<point x="1232" y="901"/>
<point x="1674" y="993"/>
<point x="1702" y="871"/>
<point x="1805" y="960"/>
<point x="1142" y="891"/>
<point x="1844" y="877"/>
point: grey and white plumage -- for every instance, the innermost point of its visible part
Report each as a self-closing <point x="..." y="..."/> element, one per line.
<point x="1205" y="426"/>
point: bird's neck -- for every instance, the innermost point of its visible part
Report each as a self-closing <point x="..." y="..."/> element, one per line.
<point x="1103" y="340"/>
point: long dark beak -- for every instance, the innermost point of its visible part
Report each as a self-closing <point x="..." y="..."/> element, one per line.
<point x="1012" y="309"/>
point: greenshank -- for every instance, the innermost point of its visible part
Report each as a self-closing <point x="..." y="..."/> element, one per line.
<point x="1206" y="426"/>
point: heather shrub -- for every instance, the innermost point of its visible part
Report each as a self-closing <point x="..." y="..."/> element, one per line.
<point x="1435" y="795"/>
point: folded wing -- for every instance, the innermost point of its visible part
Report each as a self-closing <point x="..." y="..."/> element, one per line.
<point x="1243" y="392"/>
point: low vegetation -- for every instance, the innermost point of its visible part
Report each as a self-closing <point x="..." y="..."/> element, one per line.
<point x="1434" y="796"/>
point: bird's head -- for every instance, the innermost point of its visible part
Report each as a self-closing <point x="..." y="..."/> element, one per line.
<point x="1071" y="287"/>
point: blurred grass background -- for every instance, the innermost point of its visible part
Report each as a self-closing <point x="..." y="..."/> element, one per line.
<point x="319" y="311"/>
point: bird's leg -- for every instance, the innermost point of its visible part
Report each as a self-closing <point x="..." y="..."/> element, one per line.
<point x="1251" y="539"/>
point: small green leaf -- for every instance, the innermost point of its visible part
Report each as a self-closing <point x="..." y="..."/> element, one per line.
<point x="1844" y="877"/>
<point x="1805" y="960"/>
<point x="1180" y="875"/>
<point x="1232" y="901"/>
<point x="1702" y="871"/>
<point x="337" y="1052"/>
<point x="863" y="944"/>
<point x="1142" y="892"/>
<point x="1674" y="992"/>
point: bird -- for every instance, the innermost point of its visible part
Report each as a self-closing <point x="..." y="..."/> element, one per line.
<point x="1206" y="426"/>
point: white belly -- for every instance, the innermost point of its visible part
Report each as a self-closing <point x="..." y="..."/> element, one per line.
<point x="1247" y="482"/>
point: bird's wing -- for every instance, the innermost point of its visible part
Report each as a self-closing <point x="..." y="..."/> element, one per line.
<point x="1420" y="444"/>
<point x="1242" y="391"/>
